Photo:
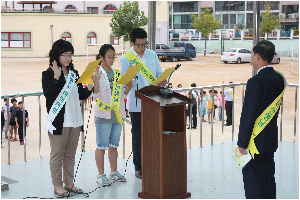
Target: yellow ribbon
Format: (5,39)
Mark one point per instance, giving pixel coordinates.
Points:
(116,98)
(144,70)
(231,92)
(263,120)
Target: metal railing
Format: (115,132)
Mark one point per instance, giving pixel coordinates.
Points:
(212,87)
(190,89)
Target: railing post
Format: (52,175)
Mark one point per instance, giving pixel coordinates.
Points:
(233,113)
(40,127)
(124,140)
(24,128)
(281,121)
(295,124)
(223,109)
(8,133)
(190,106)
(201,101)
(212,116)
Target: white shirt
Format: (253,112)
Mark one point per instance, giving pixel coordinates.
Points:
(73,114)
(228,96)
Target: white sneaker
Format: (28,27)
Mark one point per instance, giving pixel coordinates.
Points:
(116,176)
(103,180)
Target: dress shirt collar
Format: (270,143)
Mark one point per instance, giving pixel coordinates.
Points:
(137,55)
(263,68)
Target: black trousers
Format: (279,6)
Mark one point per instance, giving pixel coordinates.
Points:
(20,133)
(259,177)
(228,107)
(194,114)
(136,139)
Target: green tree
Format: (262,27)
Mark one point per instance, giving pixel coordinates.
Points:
(127,18)
(269,21)
(206,23)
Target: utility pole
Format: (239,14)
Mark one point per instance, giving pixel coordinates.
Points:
(256,23)
(151,24)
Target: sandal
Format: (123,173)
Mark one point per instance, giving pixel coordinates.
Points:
(74,189)
(63,193)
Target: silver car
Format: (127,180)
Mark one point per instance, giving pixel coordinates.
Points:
(237,55)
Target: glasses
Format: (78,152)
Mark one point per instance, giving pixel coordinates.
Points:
(141,45)
(111,58)
(66,56)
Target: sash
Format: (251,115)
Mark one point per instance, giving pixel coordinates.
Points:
(133,60)
(60,101)
(263,120)
(116,98)
(231,92)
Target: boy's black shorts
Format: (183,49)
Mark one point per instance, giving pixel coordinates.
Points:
(12,123)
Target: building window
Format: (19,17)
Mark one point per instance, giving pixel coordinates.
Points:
(290,9)
(230,5)
(93,10)
(91,38)
(70,8)
(241,18)
(114,40)
(185,6)
(66,36)
(109,9)
(274,5)
(15,40)
(183,22)
(203,9)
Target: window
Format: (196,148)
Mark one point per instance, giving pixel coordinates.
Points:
(185,6)
(15,40)
(70,8)
(183,21)
(91,38)
(290,9)
(241,18)
(232,18)
(203,9)
(163,46)
(109,9)
(225,19)
(230,5)
(66,36)
(114,40)
(157,46)
(92,10)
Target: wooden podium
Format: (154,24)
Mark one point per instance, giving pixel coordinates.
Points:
(164,163)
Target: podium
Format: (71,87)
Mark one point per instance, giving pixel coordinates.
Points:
(164,162)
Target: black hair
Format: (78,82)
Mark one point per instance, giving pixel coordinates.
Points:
(13,100)
(4,100)
(20,102)
(204,92)
(215,91)
(210,91)
(179,85)
(137,33)
(103,49)
(193,85)
(59,47)
(265,49)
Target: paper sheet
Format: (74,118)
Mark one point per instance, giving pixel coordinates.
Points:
(241,160)
(163,76)
(85,77)
(130,74)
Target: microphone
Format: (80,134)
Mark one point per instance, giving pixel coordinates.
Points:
(167,92)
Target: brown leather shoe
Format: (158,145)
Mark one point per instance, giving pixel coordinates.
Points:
(62,192)
(138,174)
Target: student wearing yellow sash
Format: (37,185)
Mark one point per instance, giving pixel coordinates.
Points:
(108,120)
(228,106)
(139,54)
(262,89)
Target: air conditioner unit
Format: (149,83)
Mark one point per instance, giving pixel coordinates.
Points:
(291,16)
(281,15)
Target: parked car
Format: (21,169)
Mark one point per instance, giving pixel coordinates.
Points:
(237,55)
(181,50)
(276,59)
(160,47)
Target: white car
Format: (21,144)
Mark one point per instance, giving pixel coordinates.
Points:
(237,55)
(276,59)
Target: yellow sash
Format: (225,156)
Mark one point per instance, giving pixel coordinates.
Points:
(116,98)
(231,92)
(144,70)
(263,120)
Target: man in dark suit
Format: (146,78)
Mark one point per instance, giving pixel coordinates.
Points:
(262,89)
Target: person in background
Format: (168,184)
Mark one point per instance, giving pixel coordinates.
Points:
(6,119)
(19,122)
(193,107)
(12,113)
(220,99)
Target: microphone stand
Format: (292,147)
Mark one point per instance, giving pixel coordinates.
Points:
(167,92)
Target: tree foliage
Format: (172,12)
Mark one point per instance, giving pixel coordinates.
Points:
(269,21)
(206,23)
(126,19)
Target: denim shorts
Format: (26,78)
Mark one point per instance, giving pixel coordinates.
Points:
(108,135)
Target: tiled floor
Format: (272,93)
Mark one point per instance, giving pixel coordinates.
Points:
(212,174)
